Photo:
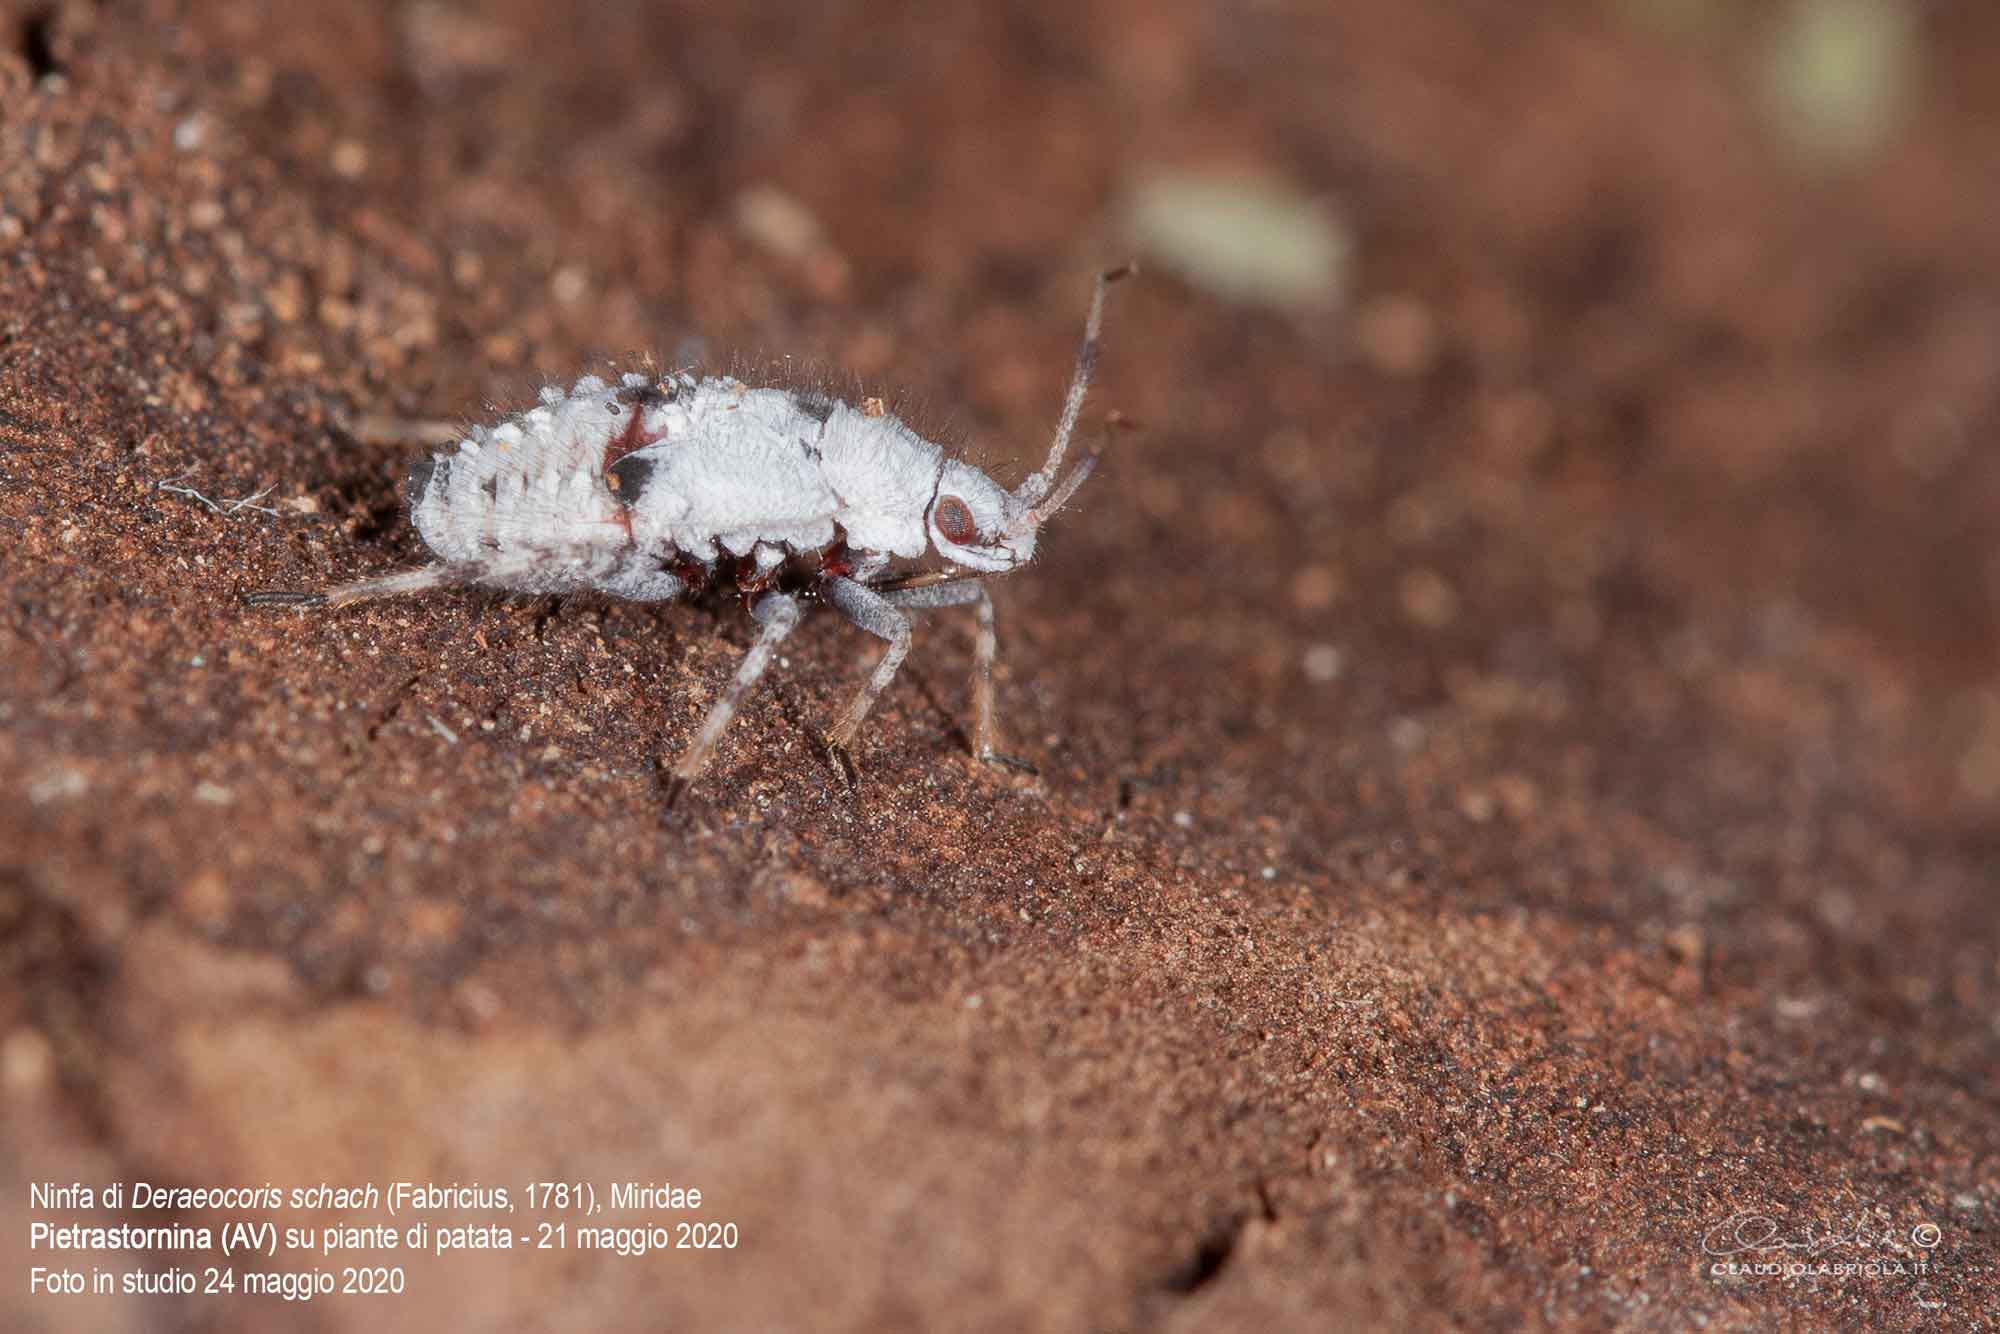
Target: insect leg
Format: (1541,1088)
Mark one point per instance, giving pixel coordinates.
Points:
(445,574)
(985,647)
(540,571)
(778,613)
(878,616)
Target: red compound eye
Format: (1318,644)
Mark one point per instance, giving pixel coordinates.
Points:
(954,521)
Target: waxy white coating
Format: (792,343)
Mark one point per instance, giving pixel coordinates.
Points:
(728,470)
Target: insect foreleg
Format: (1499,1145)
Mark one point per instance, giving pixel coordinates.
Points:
(985,646)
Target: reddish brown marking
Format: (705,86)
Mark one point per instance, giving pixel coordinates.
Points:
(797,573)
(634,436)
(750,581)
(954,521)
(690,572)
(836,562)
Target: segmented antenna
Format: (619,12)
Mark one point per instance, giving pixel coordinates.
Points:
(1038,483)
(1056,499)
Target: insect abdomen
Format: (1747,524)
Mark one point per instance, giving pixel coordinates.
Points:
(532,485)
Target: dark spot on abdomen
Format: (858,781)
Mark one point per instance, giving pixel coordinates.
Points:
(627,477)
(643,396)
(422,473)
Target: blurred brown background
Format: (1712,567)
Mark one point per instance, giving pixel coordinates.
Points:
(1518,730)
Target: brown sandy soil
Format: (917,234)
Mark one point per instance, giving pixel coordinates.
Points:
(1518,755)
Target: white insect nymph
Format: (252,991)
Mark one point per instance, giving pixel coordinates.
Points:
(660,489)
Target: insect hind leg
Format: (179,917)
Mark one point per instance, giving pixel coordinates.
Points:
(445,574)
(778,613)
(552,570)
